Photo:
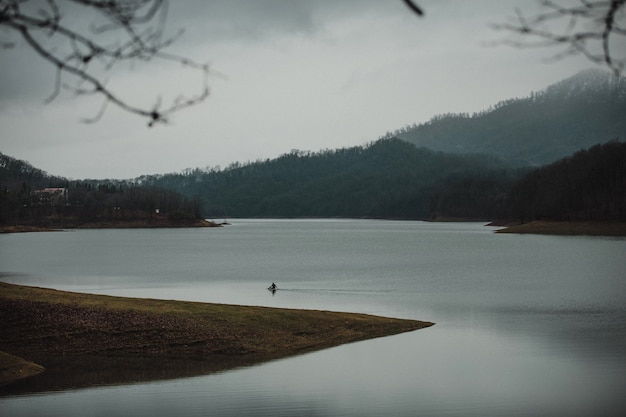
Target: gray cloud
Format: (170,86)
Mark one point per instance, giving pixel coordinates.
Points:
(306,74)
(257,20)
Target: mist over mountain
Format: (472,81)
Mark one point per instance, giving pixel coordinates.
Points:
(453,167)
(576,113)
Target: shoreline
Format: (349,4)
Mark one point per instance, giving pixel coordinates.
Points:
(107,224)
(541,227)
(14,368)
(85,339)
(565,228)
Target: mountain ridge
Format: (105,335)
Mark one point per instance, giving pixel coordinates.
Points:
(386,178)
(573,114)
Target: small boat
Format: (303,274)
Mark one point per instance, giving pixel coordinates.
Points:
(272,288)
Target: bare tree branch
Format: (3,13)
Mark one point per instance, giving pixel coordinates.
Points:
(414,7)
(594,29)
(132,30)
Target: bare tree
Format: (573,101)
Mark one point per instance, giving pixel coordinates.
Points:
(414,7)
(594,29)
(125,31)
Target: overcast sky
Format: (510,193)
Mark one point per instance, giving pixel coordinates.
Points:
(287,74)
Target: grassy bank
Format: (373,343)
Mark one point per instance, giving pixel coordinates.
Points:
(56,328)
(568,228)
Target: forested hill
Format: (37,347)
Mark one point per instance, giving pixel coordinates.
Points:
(574,114)
(388,178)
(16,173)
(589,185)
(391,178)
(29,196)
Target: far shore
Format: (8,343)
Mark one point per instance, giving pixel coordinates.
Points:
(541,227)
(27,229)
(569,228)
(154,223)
(84,339)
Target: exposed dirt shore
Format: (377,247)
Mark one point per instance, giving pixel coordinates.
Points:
(95,334)
(26,229)
(58,225)
(13,368)
(568,228)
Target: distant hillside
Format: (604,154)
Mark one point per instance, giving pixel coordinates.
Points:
(31,197)
(389,178)
(574,114)
(589,185)
(454,166)
(15,172)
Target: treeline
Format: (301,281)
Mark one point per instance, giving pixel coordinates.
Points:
(388,178)
(589,185)
(29,196)
(393,179)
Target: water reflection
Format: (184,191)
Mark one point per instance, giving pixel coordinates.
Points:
(399,376)
(69,373)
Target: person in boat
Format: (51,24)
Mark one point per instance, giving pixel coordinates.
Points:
(273,286)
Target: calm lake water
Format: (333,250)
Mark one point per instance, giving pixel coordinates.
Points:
(525,325)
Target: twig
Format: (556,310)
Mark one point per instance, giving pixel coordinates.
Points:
(589,29)
(124,15)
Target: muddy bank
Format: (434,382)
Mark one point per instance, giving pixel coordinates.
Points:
(568,228)
(13,368)
(148,223)
(118,340)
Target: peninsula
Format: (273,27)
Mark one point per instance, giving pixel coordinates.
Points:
(85,339)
